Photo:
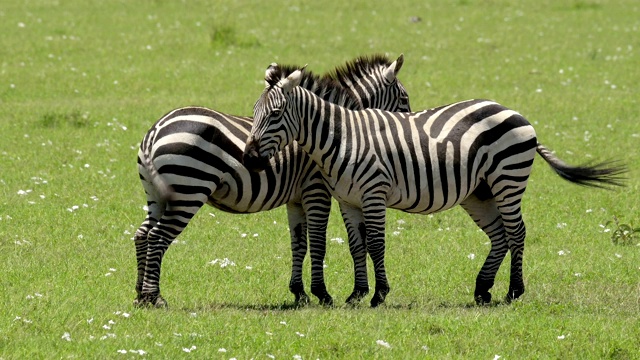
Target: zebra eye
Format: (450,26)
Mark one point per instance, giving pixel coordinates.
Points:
(276,113)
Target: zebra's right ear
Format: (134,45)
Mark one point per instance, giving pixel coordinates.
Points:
(392,70)
(292,80)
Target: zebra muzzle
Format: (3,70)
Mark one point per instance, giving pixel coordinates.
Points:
(251,157)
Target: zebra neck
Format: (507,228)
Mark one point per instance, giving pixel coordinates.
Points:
(321,134)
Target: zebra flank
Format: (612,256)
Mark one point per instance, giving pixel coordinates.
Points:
(475,153)
(598,175)
(193,156)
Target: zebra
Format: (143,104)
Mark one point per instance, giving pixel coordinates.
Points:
(193,156)
(476,153)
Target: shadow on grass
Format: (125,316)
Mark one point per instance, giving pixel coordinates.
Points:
(286,306)
(364,305)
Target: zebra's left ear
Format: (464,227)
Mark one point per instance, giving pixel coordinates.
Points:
(391,71)
(292,80)
(269,73)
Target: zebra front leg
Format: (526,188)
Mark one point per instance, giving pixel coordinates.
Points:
(375,219)
(356,233)
(318,220)
(298,231)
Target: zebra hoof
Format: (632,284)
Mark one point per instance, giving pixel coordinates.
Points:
(357,295)
(376,300)
(302,299)
(483,299)
(150,301)
(322,294)
(513,294)
(326,301)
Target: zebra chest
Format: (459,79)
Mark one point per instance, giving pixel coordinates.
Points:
(354,187)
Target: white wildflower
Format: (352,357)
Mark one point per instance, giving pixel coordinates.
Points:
(383,344)
(193,347)
(66,336)
(337,240)
(222,262)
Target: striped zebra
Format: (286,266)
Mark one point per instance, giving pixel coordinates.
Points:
(475,153)
(193,156)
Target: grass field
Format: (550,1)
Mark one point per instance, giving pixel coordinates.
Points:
(82,81)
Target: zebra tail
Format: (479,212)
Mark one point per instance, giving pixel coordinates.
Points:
(165,191)
(597,175)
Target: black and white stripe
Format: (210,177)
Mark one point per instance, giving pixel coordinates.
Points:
(475,153)
(193,156)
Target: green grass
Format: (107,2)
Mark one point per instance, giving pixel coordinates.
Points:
(81,82)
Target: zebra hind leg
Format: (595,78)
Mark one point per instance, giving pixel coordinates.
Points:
(155,211)
(517,234)
(171,224)
(484,212)
(509,206)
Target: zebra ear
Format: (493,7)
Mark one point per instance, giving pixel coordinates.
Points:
(292,80)
(392,70)
(268,74)
(399,63)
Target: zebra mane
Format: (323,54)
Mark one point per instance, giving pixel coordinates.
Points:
(358,68)
(324,87)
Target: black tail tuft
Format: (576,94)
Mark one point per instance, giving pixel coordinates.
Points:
(597,175)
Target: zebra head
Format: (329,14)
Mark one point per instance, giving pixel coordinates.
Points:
(374,81)
(273,128)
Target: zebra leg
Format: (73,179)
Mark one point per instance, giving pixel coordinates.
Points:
(356,233)
(374,212)
(508,203)
(174,220)
(298,230)
(317,221)
(486,215)
(517,233)
(154,212)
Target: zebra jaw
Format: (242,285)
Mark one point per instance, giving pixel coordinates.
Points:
(252,159)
